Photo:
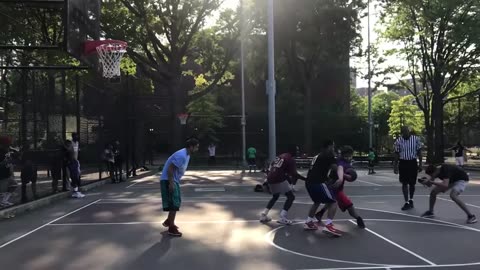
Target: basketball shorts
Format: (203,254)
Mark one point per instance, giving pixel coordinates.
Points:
(343,201)
(171,201)
(408,171)
(320,193)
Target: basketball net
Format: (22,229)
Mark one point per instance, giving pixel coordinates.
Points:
(110,56)
(183,118)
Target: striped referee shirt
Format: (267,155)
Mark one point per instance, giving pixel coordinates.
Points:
(407,149)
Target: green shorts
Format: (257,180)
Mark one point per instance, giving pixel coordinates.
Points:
(170,201)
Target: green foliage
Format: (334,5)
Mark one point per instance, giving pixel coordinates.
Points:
(206,117)
(405,113)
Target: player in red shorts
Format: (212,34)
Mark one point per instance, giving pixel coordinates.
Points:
(343,201)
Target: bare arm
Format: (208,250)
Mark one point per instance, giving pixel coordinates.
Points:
(171,170)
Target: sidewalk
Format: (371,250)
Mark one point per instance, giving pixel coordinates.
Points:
(44,184)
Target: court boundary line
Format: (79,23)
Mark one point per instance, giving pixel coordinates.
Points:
(448,200)
(396,245)
(296,222)
(363,181)
(46,224)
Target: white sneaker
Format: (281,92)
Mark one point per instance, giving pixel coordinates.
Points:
(6,203)
(77,195)
(285,221)
(264,218)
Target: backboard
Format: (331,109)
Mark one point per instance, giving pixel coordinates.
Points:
(83,23)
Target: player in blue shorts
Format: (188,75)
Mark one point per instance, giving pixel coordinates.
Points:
(320,187)
(343,201)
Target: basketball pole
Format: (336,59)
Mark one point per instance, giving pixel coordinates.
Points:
(272,143)
(370,120)
(242,64)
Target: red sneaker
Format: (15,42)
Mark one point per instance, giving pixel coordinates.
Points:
(173,231)
(330,229)
(310,226)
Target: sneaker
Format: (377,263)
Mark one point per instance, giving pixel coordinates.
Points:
(284,221)
(428,214)
(310,226)
(406,206)
(410,202)
(173,231)
(265,218)
(330,229)
(472,219)
(7,203)
(360,223)
(77,195)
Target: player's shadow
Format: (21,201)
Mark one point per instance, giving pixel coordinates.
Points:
(154,254)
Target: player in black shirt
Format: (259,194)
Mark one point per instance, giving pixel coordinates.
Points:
(453,178)
(319,186)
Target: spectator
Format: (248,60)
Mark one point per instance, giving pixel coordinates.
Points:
(109,159)
(252,158)
(118,162)
(211,153)
(28,175)
(73,167)
(7,182)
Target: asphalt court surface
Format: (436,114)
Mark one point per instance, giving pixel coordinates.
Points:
(119,227)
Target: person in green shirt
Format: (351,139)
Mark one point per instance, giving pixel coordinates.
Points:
(371,161)
(252,158)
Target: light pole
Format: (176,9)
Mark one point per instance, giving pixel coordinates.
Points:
(272,143)
(242,55)
(370,120)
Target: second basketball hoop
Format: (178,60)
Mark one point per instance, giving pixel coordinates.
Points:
(183,117)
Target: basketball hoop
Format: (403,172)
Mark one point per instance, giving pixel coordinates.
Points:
(183,117)
(110,53)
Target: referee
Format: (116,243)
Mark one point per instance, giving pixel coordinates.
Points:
(407,148)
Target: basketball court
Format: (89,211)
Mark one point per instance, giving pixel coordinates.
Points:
(119,227)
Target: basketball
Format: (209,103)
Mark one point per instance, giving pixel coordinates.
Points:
(352,175)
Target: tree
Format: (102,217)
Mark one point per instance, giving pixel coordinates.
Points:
(335,24)
(405,113)
(381,110)
(162,35)
(440,43)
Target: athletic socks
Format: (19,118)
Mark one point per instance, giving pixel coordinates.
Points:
(309,219)
(265,212)
(329,221)
(283,214)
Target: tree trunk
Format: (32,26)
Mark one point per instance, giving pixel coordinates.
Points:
(178,106)
(307,124)
(437,115)
(429,130)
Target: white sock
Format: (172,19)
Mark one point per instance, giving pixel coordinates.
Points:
(329,221)
(75,189)
(283,214)
(265,212)
(309,219)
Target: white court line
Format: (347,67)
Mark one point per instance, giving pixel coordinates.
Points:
(46,224)
(295,222)
(448,200)
(366,182)
(350,268)
(418,217)
(397,245)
